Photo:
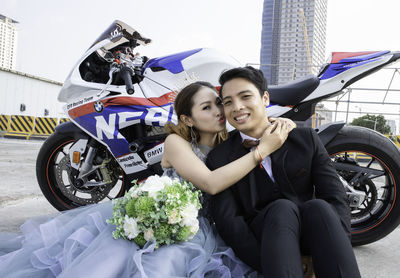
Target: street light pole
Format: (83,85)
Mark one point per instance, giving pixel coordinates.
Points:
(368,120)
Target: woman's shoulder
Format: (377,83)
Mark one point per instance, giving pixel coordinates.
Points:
(174,143)
(175,139)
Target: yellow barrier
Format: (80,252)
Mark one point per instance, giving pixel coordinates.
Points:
(63,120)
(4,122)
(396,139)
(44,126)
(20,126)
(28,126)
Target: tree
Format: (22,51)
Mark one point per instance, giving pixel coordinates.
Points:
(376,122)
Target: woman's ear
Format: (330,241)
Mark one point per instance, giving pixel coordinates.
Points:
(186,120)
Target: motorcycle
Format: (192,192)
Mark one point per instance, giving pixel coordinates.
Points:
(118,103)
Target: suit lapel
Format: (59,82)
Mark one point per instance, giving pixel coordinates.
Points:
(278,161)
(246,188)
(237,148)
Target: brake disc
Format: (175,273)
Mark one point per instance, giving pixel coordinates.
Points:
(97,193)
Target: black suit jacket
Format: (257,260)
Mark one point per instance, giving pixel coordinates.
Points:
(301,168)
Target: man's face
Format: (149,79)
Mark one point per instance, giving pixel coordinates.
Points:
(244,107)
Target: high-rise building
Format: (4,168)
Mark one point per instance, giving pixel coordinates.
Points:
(285,26)
(8,42)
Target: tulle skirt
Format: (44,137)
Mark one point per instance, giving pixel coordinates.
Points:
(79,243)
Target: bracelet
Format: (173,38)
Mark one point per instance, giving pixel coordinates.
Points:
(261,159)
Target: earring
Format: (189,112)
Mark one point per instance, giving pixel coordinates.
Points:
(193,136)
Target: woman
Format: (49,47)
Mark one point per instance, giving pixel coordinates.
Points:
(79,243)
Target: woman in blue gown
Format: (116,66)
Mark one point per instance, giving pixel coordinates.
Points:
(79,242)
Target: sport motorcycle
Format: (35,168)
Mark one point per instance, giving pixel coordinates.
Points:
(118,102)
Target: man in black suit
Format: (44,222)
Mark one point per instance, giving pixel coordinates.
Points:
(294,204)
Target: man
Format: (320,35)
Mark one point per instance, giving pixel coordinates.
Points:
(294,204)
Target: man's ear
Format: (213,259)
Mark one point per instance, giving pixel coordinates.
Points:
(186,120)
(266,98)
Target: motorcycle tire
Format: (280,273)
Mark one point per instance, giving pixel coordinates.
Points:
(50,175)
(367,151)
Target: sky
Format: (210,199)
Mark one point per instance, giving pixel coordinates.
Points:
(53,34)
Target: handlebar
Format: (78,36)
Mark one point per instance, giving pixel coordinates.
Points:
(126,74)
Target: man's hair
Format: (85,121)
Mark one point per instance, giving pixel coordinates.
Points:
(255,76)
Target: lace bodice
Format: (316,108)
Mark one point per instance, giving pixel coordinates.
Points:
(201,151)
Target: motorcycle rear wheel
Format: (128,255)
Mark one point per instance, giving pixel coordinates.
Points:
(373,166)
(55,176)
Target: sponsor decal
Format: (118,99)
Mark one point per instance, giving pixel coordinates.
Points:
(155,116)
(116,32)
(182,83)
(131,163)
(98,106)
(154,154)
(79,102)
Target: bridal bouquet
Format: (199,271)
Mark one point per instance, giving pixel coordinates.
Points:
(160,209)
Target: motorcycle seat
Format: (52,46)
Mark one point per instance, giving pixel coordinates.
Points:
(293,92)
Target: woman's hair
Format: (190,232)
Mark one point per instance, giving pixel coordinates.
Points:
(183,106)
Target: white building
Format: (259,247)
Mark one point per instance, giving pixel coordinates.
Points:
(8,42)
(283,54)
(392,125)
(25,94)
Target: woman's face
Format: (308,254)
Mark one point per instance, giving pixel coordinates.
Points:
(207,111)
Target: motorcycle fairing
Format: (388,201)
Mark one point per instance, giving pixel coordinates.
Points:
(354,56)
(118,113)
(343,61)
(172,63)
(330,86)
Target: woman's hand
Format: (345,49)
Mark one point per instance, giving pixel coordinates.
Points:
(274,136)
(284,120)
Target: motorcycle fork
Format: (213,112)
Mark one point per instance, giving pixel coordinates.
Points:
(87,163)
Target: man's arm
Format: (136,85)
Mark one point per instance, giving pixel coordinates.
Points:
(327,183)
(232,227)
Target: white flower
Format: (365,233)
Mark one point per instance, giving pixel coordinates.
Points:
(166,180)
(195,228)
(130,227)
(149,234)
(189,215)
(153,185)
(174,217)
(134,193)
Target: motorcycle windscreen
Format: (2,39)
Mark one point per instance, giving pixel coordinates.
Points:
(119,33)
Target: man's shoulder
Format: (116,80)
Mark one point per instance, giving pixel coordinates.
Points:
(226,146)
(303,136)
(301,131)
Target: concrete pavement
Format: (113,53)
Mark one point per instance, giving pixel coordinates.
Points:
(21,199)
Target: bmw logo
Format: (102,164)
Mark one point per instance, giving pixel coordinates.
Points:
(98,106)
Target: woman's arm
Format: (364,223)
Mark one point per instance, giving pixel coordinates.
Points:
(179,154)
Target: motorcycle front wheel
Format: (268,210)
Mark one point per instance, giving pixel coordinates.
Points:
(57,179)
(369,163)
